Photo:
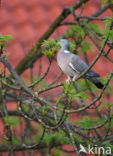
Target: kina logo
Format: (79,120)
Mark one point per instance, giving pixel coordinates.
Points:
(95,150)
(82,149)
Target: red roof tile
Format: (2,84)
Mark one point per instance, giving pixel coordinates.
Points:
(12,4)
(37,15)
(67,3)
(5,17)
(26,33)
(19,15)
(16,53)
(29,4)
(8,29)
(54,10)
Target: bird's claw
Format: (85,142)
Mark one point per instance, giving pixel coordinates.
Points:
(74,78)
(68,80)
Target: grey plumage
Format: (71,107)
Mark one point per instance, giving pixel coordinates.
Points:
(72,65)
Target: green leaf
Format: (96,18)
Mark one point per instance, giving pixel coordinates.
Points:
(58,152)
(66,88)
(15,141)
(8,37)
(25,107)
(94,27)
(108,21)
(79,31)
(108,33)
(61,96)
(11,121)
(70,33)
(48,53)
(78,139)
(76,30)
(5,38)
(108,105)
(90,122)
(61,136)
(86,46)
(109,86)
(72,46)
(104,2)
(43,110)
(49,43)
(43,83)
(82,94)
(51,47)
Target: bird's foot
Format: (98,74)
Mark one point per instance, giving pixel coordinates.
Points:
(68,80)
(74,78)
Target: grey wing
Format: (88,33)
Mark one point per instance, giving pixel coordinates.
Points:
(79,66)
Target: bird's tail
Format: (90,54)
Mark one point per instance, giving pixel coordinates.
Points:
(97,83)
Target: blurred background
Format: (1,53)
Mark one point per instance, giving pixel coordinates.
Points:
(27,21)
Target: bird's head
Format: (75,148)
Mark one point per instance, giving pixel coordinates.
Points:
(64,43)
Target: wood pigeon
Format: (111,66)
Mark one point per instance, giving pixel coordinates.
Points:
(72,65)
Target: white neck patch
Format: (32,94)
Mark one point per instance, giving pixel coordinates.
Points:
(66,51)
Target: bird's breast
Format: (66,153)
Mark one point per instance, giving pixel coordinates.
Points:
(63,62)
